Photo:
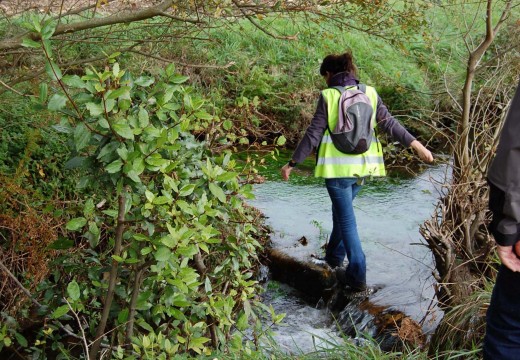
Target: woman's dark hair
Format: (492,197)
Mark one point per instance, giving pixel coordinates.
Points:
(338,63)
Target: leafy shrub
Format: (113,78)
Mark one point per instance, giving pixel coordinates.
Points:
(164,249)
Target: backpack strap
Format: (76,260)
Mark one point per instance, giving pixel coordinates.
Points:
(341,89)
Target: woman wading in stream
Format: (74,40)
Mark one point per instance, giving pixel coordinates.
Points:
(344,173)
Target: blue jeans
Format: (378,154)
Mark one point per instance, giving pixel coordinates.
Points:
(344,239)
(502,340)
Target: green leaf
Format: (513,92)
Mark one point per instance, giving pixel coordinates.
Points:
(162,254)
(281,140)
(187,189)
(73,290)
(122,91)
(109,105)
(59,312)
(149,195)
(122,317)
(217,192)
(198,342)
(115,69)
(146,250)
(114,166)
(161,200)
(21,339)
(170,69)
(122,152)
(179,79)
(169,241)
(133,175)
(227,125)
(108,150)
(188,103)
(7,341)
(242,322)
(74,81)
(156,160)
(112,213)
(62,244)
(57,102)
(48,29)
(227,176)
(144,81)
(89,207)
(145,326)
(37,26)
(76,224)
(124,131)
(138,165)
(53,71)
(103,123)
(44,89)
(95,109)
(143,118)
(203,115)
(30,43)
(47,47)
(82,136)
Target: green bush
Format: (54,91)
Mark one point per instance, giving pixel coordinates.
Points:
(164,251)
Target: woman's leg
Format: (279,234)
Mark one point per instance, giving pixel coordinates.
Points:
(344,236)
(335,252)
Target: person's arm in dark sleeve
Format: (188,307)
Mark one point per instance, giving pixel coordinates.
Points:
(388,124)
(505,227)
(505,223)
(313,134)
(310,140)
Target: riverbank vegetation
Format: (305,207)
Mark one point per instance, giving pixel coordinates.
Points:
(128,144)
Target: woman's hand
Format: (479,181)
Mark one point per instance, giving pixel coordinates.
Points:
(423,153)
(286,171)
(508,257)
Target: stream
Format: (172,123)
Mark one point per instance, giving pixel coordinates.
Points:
(389,212)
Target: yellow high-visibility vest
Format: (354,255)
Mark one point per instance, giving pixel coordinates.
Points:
(331,162)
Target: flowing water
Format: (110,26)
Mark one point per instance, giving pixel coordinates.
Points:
(389,213)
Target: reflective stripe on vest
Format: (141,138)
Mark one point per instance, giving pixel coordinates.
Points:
(331,162)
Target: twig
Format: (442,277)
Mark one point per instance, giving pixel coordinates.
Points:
(20,285)
(80,328)
(260,27)
(12,89)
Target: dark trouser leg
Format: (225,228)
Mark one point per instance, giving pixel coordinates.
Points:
(502,340)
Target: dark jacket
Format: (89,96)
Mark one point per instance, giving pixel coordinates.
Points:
(385,121)
(504,178)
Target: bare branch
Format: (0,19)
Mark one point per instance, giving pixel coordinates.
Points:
(118,18)
(193,21)
(12,89)
(19,284)
(83,337)
(260,27)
